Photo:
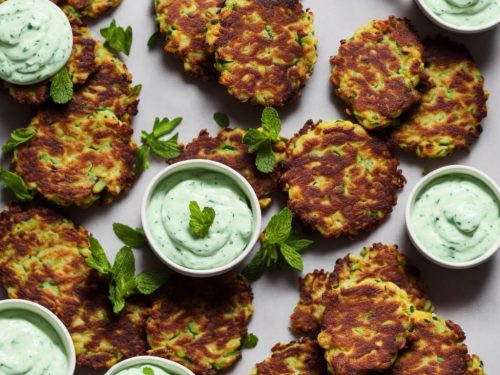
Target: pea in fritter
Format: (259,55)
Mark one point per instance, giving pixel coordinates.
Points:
(436,347)
(339,179)
(184,23)
(308,314)
(384,262)
(83,152)
(80,65)
(303,357)
(265,50)
(453,103)
(42,259)
(376,72)
(228,148)
(364,327)
(200,322)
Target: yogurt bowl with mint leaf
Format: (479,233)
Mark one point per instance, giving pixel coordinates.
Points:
(201,218)
(148,365)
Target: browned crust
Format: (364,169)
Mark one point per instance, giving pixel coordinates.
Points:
(219,306)
(305,354)
(363,201)
(228,148)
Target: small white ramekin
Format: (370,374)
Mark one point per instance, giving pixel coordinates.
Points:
(167,365)
(452,27)
(206,165)
(422,184)
(50,318)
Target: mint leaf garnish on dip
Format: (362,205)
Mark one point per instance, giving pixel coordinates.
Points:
(279,247)
(200,221)
(25,25)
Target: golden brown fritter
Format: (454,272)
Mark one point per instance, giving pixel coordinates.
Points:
(453,103)
(265,50)
(308,314)
(376,71)
(475,366)
(88,8)
(384,262)
(80,65)
(228,148)
(436,348)
(303,357)
(200,322)
(184,23)
(42,259)
(339,179)
(83,152)
(365,325)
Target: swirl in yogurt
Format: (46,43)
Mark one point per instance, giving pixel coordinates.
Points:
(466,12)
(35,41)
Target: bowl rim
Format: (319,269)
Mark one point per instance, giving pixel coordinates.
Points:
(167,364)
(50,318)
(452,27)
(424,182)
(208,165)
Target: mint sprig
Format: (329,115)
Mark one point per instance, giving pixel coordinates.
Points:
(200,221)
(279,247)
(18,137)
(61,87)
(129,236)
(152,143)
(261,140)
(121,275)
(16,184)
(117,38)
(249,341)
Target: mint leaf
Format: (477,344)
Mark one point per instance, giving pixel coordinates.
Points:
(200,221)
(255,139)
(169,149)
(117,38)
(129,236)
(249,341)
(279,227)
(148,282)
(298,244)
(98,261)
(291,256)
(124,266)
(257,265)
(153,39)
(165,126)
(148,371)
(18,137)
(266,160)
(16,184)
(142,159)
(221,119)
(271,123)
(117,298)
(61,87)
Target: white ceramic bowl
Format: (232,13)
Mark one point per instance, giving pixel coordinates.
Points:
(52,319)
(167,365)
(422,184)
(452,27)
(206,165)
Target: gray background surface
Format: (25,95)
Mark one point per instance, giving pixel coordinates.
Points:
(470,298)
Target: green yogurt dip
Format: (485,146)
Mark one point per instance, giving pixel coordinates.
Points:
(35,40)
(456,218)
(468,13)
(168,219)
(30,346)
(143,370)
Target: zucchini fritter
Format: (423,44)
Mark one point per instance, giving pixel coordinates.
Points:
(42,259)
(88,8)
(83,152)
(200,322)
(303,357)
(80,65)
(265,50)
(339,179)
(364,326)
(184,23)
(376,71)
(228,148)
(475,366)
(453,104)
